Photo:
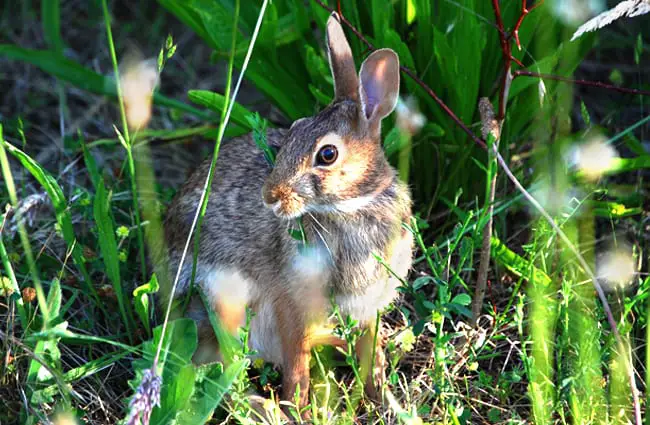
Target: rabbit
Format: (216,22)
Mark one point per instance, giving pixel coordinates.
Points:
(331,172)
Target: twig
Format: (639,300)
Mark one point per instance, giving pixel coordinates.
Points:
(491,133)
(524,73)
(524,11)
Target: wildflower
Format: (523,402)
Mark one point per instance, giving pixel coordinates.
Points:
(5,287)
(574,12)
(122,256)
(406,340)
(146,397)
(64,418)
(258,363)
(29,294)
(122,232)
(138,80)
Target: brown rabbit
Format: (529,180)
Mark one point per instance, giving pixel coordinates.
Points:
(331,171)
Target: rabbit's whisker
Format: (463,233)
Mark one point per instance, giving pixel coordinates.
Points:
(318,222)
(321,236)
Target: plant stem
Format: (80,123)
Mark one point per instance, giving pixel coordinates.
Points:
(22,313)
(491,133)
(222,128)
(215,156)
(127,139)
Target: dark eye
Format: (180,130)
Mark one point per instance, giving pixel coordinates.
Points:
(327,155)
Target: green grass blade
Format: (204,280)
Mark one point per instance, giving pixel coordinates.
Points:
(84,78)
(89,160)
(108,246)
(82,372)
(63,216)
(11,276)
(51,16)
(216,102)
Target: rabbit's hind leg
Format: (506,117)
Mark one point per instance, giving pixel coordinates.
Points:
(373,369)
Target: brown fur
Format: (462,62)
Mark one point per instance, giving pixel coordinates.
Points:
(351,210)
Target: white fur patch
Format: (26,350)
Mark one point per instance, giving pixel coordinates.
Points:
(354,204)
(227,285)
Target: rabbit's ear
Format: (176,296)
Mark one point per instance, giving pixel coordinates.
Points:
(344,72)
(379,87)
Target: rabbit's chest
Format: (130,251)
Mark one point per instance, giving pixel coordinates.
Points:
(362,284)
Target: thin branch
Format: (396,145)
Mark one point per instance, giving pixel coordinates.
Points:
(524,11)
(491,132)
(524,73)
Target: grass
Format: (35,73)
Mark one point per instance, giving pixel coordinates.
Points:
(80,327)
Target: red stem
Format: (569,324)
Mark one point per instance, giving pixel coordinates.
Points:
(524,73)
(504,41)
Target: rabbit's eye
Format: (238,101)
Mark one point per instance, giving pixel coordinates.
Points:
(327,155)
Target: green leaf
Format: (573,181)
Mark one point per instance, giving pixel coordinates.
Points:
(141,300)
(89,159)
(212,384)
(259,135)
(47,350)
(461,299)
(638,49)
(517,264)
(108,247)
(216,102)
(51,16)
(585,114)
(84,78)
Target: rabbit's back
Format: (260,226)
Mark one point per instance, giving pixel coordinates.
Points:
(238,232)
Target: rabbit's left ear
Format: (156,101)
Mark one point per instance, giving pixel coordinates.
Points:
(344,72)
(379,88)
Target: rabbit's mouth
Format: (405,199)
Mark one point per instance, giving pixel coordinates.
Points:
(286,210)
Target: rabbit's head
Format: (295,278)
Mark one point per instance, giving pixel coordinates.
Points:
(333,161)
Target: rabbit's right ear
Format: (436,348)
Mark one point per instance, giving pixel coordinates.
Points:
(346,82)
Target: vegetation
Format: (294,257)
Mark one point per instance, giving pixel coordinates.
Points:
(94,140)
